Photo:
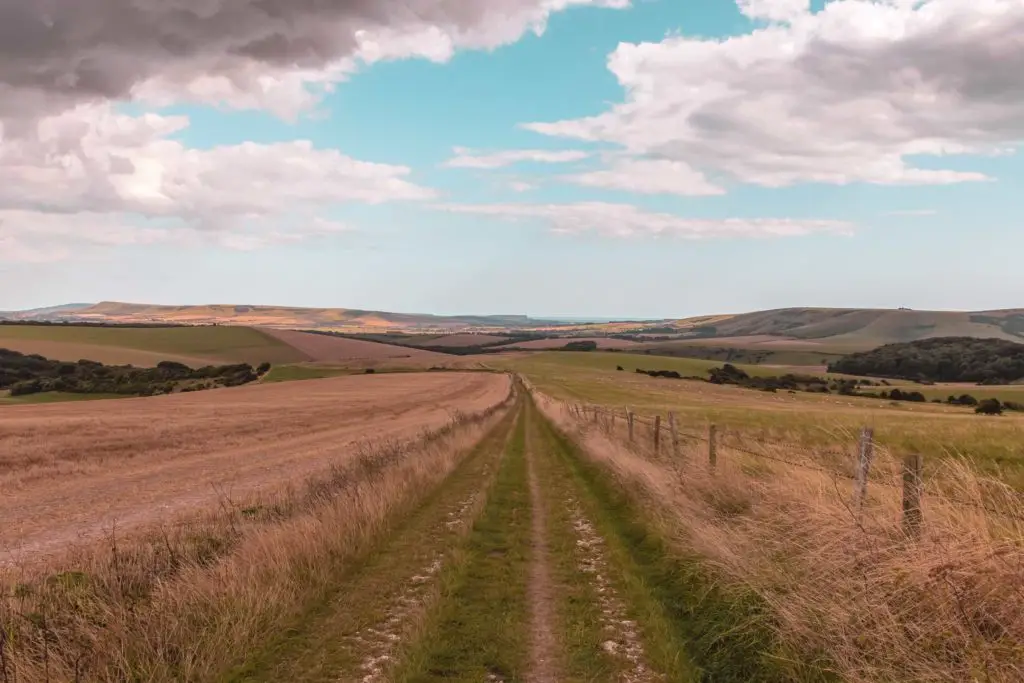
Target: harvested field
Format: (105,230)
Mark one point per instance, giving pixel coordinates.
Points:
(108,355)
(324,348)
(459,340)
(69,471)
(602,343)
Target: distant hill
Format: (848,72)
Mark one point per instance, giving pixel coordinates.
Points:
(47,313)
(850,329)
(810,330)
(285,317)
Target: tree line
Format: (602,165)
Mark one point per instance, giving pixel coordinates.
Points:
(23,374)
(942,359)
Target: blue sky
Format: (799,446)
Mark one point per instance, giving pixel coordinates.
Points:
(701,157)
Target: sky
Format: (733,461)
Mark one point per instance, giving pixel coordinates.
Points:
(612,158)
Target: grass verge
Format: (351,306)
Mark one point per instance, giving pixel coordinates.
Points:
(481,633)
(681,605)
(54,397)
(780,579)
(293,373)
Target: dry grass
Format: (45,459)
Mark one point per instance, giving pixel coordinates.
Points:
(187,601)
(878,604)
(996,444)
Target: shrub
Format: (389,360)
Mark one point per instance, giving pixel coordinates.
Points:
(26,388)
(580,346)
(263,368)
(989,406)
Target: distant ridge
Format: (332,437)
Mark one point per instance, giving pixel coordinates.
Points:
(842,329)
(45,313)
(274,317)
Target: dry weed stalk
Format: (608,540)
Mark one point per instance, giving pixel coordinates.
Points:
(188,600)
(880,605)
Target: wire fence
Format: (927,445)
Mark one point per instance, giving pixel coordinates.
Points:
(908,479)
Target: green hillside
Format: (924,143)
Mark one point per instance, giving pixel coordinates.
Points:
(146,346)
(871,327)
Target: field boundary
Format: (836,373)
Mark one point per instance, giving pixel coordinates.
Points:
(908,479)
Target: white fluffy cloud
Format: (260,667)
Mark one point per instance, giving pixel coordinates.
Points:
(774,10)
(100,177)
(852,93)
(626,221)
(468,158)
(38,237)
(650,176)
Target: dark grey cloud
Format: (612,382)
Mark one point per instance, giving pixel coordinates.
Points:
(55,52)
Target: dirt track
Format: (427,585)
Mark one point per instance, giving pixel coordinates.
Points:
(68,471)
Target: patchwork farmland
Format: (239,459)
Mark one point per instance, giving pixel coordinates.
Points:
(518,516)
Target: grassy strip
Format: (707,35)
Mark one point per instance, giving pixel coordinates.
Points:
(320,645)
(293,373)
(54,397)
(682,606)
(481,632)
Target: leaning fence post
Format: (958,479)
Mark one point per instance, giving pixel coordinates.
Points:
(673,428)
(866,454)
(597,414)
(912,485)
(657,434)
(712,446)
(629,421)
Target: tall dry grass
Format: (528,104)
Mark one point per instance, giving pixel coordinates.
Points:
(188,601)
(879,604)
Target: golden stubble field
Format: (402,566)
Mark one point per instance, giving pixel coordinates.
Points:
(72,472)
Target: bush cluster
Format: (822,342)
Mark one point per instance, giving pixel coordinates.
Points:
(32,374)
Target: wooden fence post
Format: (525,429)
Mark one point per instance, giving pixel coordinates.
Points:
(673,428)
(629,422)
(597,413)
(657,434)
(712,446)
(866,454)
(912,485)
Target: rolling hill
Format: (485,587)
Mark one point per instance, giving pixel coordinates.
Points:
(286,317)
(851,329)
(812,330)
(147,346)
